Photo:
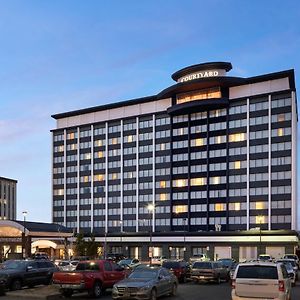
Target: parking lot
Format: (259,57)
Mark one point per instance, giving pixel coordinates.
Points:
(188,290)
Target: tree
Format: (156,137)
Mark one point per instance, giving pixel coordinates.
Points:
(80,247)
(91,247)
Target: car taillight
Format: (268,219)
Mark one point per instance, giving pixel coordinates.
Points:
(233,284)
(281,285)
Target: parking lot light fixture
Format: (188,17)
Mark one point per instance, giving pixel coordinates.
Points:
(24,213)
(260,220)
(151,209)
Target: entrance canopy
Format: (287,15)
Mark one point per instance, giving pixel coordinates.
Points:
(10,228)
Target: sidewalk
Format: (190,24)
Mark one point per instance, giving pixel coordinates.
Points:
(40,292)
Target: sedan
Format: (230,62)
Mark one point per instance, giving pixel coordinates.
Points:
(146,283)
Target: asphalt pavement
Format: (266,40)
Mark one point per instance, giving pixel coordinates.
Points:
(187,291)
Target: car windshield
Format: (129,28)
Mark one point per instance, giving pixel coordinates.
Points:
(202,265)
(291,256)
(143,274)
(225,262)
(259,272)
(13,264)
(125,262)
(171,264)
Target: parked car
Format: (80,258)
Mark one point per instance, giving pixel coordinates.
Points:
(265,257)
(227,262)
(261,280)
(198,257)
(290,269)
(208,271)
(128,262)
(40,255)
(294,257)
(93,276)
(18,273)
(292,262)
(158,260)
(232,270)
(179,268)
(67,265)
(115,257)
(146,283)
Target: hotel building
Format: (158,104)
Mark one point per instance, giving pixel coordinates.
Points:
(205,162)
(8,196)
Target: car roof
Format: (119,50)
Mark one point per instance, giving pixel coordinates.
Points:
(258,263)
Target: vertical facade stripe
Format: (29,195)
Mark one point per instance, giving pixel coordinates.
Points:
(52,181)
(92,178)
(294,162)
(248,163)
(122,182)
(153,172)
(106,177)
(269,165)
(78,179)
(65,177)
(137,175)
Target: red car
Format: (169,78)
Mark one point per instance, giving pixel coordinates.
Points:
(93,276)
(179,268)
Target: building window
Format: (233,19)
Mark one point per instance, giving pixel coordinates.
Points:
(260,219)
(237,164)
(178,209)
(199,95)
(198,142)
(198,181)
(99,177)
(180,183)
(237,137)
(219,206)
(99,154)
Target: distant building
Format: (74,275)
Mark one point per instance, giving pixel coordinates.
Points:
(8,198)
(210,153)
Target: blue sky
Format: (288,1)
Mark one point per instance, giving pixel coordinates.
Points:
(57,56)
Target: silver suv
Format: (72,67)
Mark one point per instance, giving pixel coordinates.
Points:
(261,280)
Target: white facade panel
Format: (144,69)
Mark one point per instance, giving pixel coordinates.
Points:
(259,88)
(115,113)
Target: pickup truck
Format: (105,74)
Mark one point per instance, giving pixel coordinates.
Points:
(93,276)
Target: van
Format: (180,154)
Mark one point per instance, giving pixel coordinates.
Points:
(261,280)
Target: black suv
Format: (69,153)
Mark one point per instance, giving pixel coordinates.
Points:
(18,273)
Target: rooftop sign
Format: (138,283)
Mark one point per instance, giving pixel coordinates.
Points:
(202,74)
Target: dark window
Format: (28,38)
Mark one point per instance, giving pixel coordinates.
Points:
(171,264)
(87,267)
(202,265)
(107,266)
(284,271)
(260,272)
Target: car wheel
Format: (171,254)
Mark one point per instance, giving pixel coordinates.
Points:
(174,290)
(184,279)
(218,280)
(67,293)
(153,294)
(96,291)
(16,285)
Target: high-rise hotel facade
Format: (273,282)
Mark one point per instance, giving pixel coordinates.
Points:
(209,157)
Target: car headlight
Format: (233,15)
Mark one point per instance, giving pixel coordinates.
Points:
(114,288)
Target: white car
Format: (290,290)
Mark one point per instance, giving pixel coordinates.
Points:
(157,260)
(261,280)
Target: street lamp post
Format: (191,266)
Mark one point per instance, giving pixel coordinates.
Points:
(105,244)
(184,236)
(24,235)
(260,219)
(151,208)
(121,235)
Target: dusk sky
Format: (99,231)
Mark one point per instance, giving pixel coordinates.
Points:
(57,56)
